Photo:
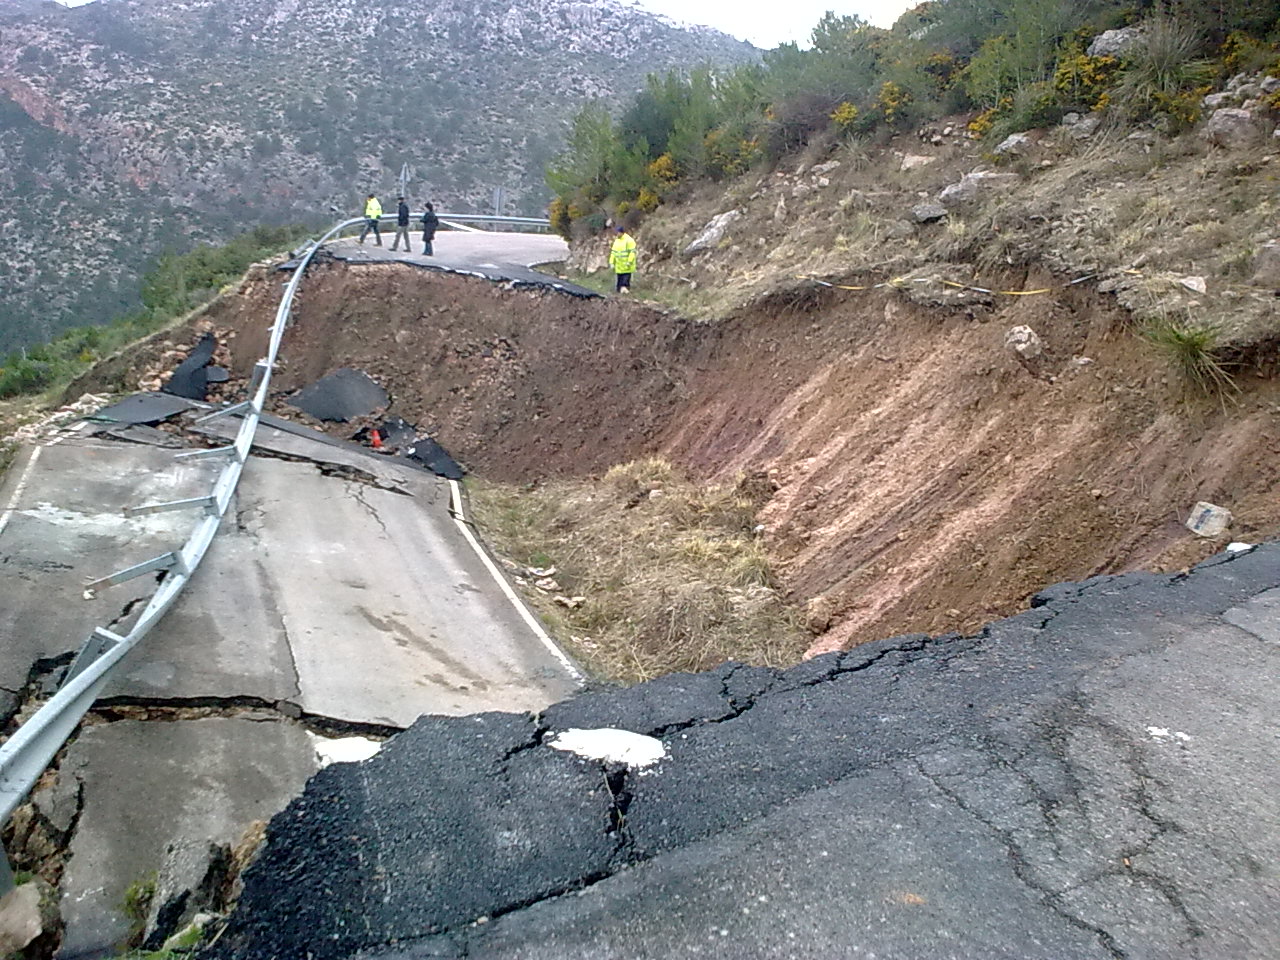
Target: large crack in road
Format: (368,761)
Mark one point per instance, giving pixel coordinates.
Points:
(1031,791)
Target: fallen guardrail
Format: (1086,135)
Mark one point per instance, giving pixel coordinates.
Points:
(27,754)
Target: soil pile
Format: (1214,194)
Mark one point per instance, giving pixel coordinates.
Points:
(914,476)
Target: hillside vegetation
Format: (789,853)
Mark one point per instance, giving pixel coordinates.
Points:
(1010,64)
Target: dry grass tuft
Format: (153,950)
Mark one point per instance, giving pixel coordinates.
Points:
(672,574)
(1192,349)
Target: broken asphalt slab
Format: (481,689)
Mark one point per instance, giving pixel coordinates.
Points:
(343,395)
(143,408)
(1091,778)
(133,788)
(191,377)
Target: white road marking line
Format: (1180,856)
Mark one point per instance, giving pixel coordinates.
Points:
(455,496)
(20,488)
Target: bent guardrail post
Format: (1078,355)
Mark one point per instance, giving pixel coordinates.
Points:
(26,754)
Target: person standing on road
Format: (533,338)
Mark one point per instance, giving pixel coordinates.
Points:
(372,211)
(402,226)
(622,257)
(429,224)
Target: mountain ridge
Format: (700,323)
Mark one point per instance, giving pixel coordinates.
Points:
(135,125)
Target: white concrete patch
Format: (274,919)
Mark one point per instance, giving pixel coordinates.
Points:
(104,524)
(609,744)
(344,749)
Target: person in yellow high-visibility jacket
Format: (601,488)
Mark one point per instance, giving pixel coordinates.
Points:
(622,257)
(372,211)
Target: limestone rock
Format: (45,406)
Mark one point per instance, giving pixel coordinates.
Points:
(1112,43)
(780,210)
(914,161)
(1266,265)
(928,212)
(899,230)
(975,186)
(1028,349)
(824,168)
(1270,84)
(1015,145)
(20,920)
(713,232)
(801,190)
(1216,101)
(1081,127)
(1232,128)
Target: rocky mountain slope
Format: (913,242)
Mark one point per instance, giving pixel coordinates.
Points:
(130,126)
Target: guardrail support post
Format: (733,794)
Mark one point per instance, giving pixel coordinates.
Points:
(206,454)
(236,408)
(207,503)
(163,562)
(99,642)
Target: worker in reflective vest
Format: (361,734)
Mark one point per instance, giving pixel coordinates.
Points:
(622,257)
(372,211)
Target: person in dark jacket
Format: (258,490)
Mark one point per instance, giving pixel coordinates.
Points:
(402,226)
(429,224)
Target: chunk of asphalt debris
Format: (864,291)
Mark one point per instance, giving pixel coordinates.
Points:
(340,396)
(143,408)
(191,379)
(216,374)
(393,434)
(435,458)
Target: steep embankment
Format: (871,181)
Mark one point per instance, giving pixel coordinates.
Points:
(920,479)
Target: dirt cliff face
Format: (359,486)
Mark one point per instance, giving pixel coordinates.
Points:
(917,477)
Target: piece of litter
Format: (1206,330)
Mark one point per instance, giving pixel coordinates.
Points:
(547,584)
(1164,733)
(1238,547)
(612,745)
(541,572)
(1208,520)
(573,603)
(1194,283)
(344,749)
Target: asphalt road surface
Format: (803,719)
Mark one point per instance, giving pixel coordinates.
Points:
(1094,778)
(501,257)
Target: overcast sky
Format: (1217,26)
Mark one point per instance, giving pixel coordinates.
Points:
(767,23)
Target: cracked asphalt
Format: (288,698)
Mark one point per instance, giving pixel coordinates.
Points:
(1093,778)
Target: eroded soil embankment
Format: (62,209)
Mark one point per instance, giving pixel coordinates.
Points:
(924,480)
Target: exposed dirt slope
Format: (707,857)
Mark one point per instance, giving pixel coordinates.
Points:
(924,480)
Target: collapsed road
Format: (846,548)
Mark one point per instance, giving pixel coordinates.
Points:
(1093,778)
(342,598)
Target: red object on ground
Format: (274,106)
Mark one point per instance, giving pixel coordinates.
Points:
(375,438)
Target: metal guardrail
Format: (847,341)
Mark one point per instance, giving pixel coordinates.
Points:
(456,220)
(26,754)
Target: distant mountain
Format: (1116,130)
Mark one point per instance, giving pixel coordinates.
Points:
(129,126)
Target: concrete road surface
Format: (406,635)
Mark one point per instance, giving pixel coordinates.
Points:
(339,591)
(1094,778)
(356,603)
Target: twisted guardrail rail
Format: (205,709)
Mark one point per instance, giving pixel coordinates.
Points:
(27,754)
